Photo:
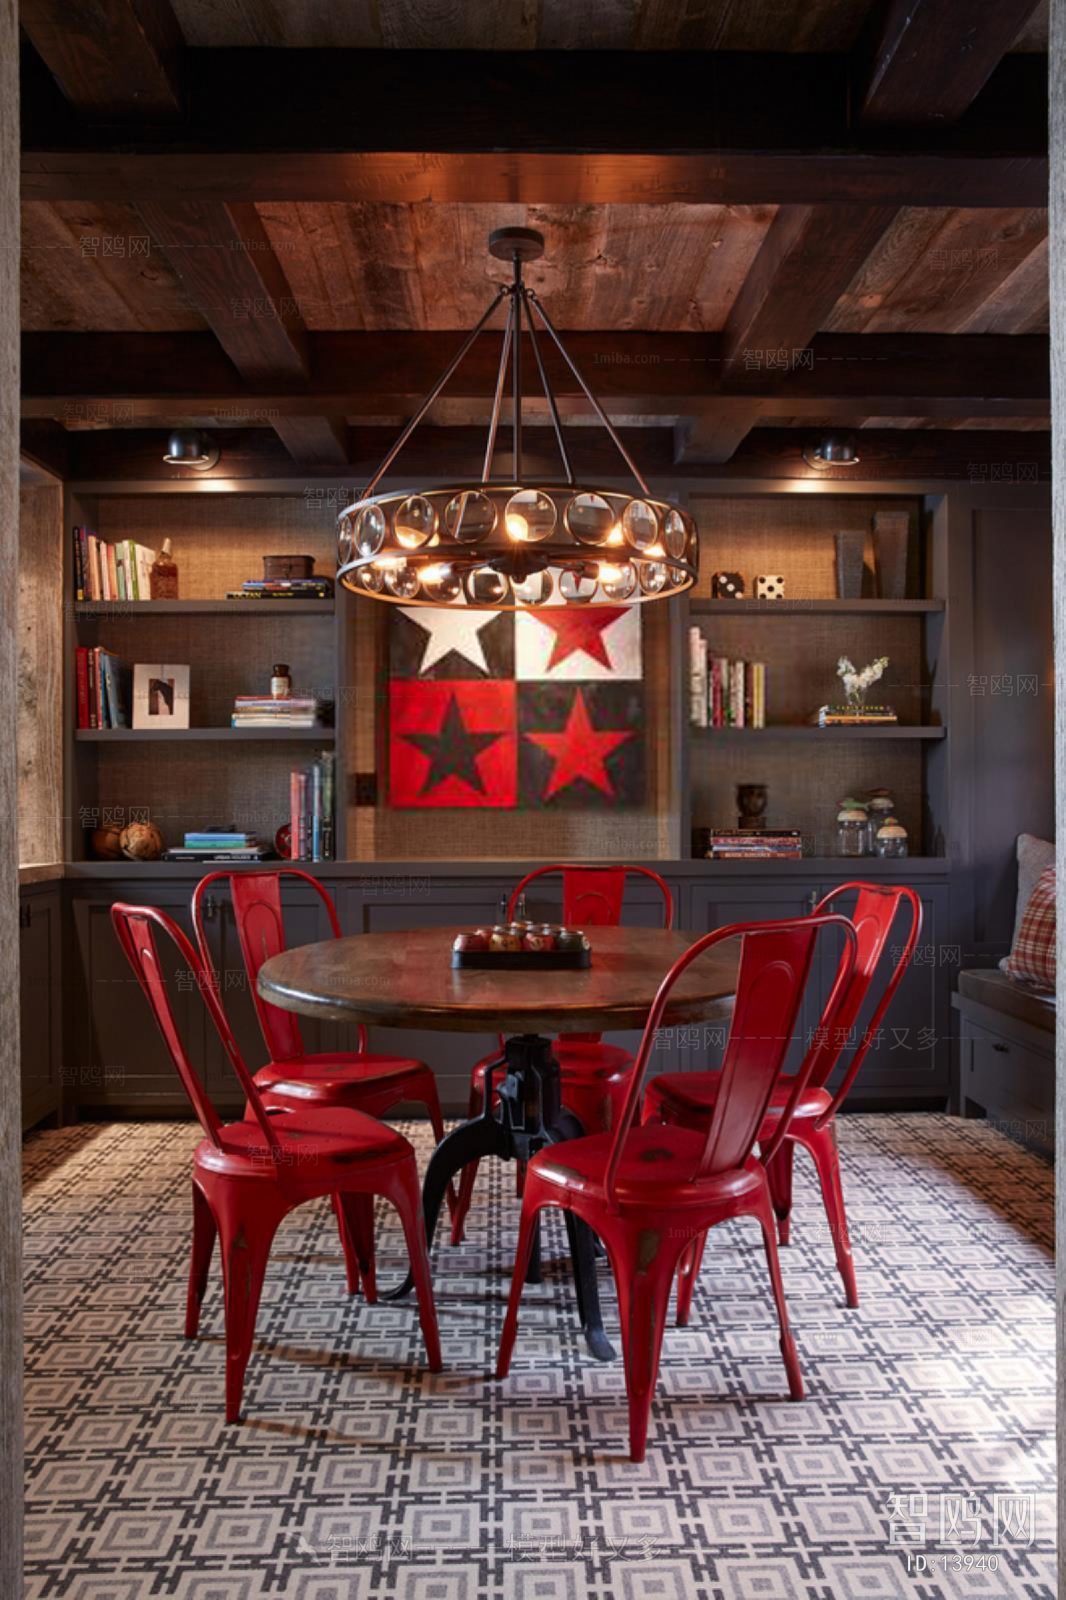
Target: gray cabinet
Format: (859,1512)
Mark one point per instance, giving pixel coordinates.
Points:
(40,1002)
(116,1058)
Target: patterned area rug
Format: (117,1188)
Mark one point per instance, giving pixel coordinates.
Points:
(920,1465)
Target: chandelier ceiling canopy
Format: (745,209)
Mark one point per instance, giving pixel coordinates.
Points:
(505,544)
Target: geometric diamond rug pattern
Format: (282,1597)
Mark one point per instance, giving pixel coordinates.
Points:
(920,1465)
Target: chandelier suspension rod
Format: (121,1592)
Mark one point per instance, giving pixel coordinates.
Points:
(497,399)
(431,396)
(589,396)
(549,393)
(517,291)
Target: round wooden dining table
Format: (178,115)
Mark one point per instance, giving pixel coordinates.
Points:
(405,979)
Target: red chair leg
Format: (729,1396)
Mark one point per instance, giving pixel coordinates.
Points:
(644,1288)
(357,1230)
(687,1273)
(823,1147)
(351,1256)
(404,1192)
(527,1233)
(789,1352)
(779,1173)
(204,1232)
(248,1216)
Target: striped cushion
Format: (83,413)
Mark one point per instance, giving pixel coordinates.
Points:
(1033,956)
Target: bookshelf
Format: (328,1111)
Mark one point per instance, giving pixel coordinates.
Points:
(210,773)
(800,639)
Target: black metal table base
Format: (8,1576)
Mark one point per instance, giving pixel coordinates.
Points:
(523,1112)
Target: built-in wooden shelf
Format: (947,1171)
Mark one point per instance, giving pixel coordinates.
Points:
(91,609)
(893,731)
(238,735)
(816,608)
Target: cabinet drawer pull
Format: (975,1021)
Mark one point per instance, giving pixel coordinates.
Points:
(1002,1048)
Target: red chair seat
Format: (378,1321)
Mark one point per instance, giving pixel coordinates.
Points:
(316,1149)
(693,1093)
(326,1076)
(657,1167)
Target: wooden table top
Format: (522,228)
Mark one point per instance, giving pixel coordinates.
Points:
(404,979)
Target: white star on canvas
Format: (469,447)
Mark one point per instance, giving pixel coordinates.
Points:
(451,630)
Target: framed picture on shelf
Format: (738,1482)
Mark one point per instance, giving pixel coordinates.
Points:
(160,696)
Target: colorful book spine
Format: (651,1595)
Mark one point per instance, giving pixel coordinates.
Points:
(697,669)
(81,680)
(79,572)
(736,693)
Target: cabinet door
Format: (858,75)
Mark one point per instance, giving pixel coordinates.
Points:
(908,1063)
(39,1005)
(117,1055)
(388,905)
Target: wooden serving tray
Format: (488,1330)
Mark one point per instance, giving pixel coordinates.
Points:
(523,960)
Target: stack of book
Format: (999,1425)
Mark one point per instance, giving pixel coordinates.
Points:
(855,716)
(218,844)
(283,589)
(755,844)
(724,693)
(105,571)
(103,689)
(287,711)
(311,800)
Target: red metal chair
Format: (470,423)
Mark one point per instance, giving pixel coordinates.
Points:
(247,1175)
(650,1191)
(594,1074)
(292,1078)
(689,1098)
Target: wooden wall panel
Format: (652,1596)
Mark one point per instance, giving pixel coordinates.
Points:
(11,1490)
(40,668)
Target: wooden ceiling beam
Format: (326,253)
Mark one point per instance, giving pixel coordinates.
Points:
(547,127)
(118,378)
(110,58)
(454,454)
(922,63)
(223,257)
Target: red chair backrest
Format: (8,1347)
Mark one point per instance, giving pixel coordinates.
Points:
(592,898)
(873,917)
(775,963)
(260,922)
(593,895)
(135,927)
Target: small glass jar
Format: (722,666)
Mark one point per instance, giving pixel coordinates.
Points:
(892,840)
(853,832)
(280,681)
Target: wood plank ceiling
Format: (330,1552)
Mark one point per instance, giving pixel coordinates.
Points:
(273,281)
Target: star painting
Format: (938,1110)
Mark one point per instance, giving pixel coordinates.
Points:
(581,746)
(452,744)
(515,709)
(579,644)
(431,642)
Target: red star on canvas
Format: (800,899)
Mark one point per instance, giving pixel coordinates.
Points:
(580,629)
(579,750)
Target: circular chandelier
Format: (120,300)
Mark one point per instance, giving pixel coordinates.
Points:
(503,544)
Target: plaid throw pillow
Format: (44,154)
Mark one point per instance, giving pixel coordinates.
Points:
(1033,957)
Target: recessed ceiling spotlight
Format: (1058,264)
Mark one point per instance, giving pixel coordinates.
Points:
(188,447)
(833,450)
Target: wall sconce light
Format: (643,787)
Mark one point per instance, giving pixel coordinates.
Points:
(188,447)
(833,450)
